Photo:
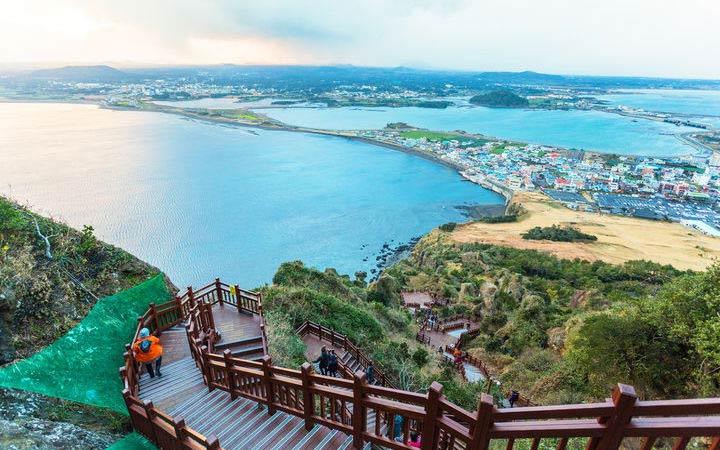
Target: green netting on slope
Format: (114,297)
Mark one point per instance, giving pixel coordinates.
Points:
(82,366)
(132,442)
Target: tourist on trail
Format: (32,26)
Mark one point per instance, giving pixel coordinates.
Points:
(147,350)
(370,372)
(332,364)
(323,360)
(514,397)
(456,352)
(441,352)
(414,440)
(397,432)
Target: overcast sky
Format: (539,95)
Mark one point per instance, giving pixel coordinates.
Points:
(673,38)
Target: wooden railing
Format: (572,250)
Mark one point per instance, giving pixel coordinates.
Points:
(337,339)
(194,309)
(344,405)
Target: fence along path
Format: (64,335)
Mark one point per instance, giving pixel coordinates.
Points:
(303,400)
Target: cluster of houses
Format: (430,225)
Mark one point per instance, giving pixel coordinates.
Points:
(690,183)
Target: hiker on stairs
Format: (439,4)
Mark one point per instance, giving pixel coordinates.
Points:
(332,364)
(323,360)
(370,372)
(147,350)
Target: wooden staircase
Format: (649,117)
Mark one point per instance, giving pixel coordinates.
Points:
(250,348)
(240,423)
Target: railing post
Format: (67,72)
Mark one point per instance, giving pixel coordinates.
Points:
(481,427)
(359,421)
(432,407)
(218,291)
(308,401)
(212,442)
(150,414)
(238,298)
(227,354)
(155,318)
(210,317)
(624,399)
(267,380)
(332,337)
(207,373)
(191,297)
(179,426)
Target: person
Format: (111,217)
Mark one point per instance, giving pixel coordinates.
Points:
(370,372)
(332,364)
(514,397)
(147,350)
(456,352)
(323,361)
(440,351)
(397,428)
(414,439)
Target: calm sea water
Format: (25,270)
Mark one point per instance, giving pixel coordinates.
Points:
(201,200)
(667,100)
(589,130)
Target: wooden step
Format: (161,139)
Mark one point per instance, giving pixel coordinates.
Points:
(221,346)
(246,352)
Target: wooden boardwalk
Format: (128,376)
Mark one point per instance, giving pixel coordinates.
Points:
(239,423)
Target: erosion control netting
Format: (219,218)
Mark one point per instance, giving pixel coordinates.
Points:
(82,366)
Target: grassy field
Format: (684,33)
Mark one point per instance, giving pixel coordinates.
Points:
(430,135)
(619,238)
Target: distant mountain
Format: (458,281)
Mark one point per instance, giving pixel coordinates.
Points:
(82,74)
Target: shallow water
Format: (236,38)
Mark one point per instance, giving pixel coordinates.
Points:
(201,200)
(589,130)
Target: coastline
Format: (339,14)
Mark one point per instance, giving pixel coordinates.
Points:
(279,126)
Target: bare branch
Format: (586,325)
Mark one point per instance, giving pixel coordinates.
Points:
(45,238)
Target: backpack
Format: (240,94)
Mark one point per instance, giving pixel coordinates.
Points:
(333,359)
(145,345)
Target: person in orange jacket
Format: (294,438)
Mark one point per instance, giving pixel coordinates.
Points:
(147,350)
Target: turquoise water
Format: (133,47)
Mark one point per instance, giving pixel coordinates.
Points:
(666,100)
(589,130)
(201,200)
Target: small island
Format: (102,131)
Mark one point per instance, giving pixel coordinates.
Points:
(500,99)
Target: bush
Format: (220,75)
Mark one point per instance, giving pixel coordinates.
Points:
(498,219)
(420,356)
(557,234)
(448,227)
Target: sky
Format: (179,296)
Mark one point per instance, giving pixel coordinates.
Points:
(667,38)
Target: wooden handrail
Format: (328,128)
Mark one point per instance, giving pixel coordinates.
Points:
(346,344)
(343,404)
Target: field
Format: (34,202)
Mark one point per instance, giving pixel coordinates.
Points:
(619,238)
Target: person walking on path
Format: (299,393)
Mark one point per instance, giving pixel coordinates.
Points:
(415,440)
(333,364)
(514,397)
(323,360)
(370,372)
(147,350)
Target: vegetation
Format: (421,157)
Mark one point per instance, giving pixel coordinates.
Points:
(369,315)
(47,288)
(557,234)
(564,330)
(448,227)
(500,99)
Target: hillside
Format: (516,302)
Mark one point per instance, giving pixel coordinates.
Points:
(44,292)
(82,74)
(500,99)
(619,239)
(563,331)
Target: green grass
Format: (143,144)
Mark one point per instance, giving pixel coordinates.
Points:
(430,135)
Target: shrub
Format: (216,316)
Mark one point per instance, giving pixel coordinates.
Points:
(557,234)
(448,227)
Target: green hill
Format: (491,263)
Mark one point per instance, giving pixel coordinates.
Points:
(500,99)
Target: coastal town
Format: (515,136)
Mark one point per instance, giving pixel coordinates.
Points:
(683,189)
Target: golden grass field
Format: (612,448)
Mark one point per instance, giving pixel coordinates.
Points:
(619,238)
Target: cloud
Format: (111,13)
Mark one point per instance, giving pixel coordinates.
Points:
(639,37)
